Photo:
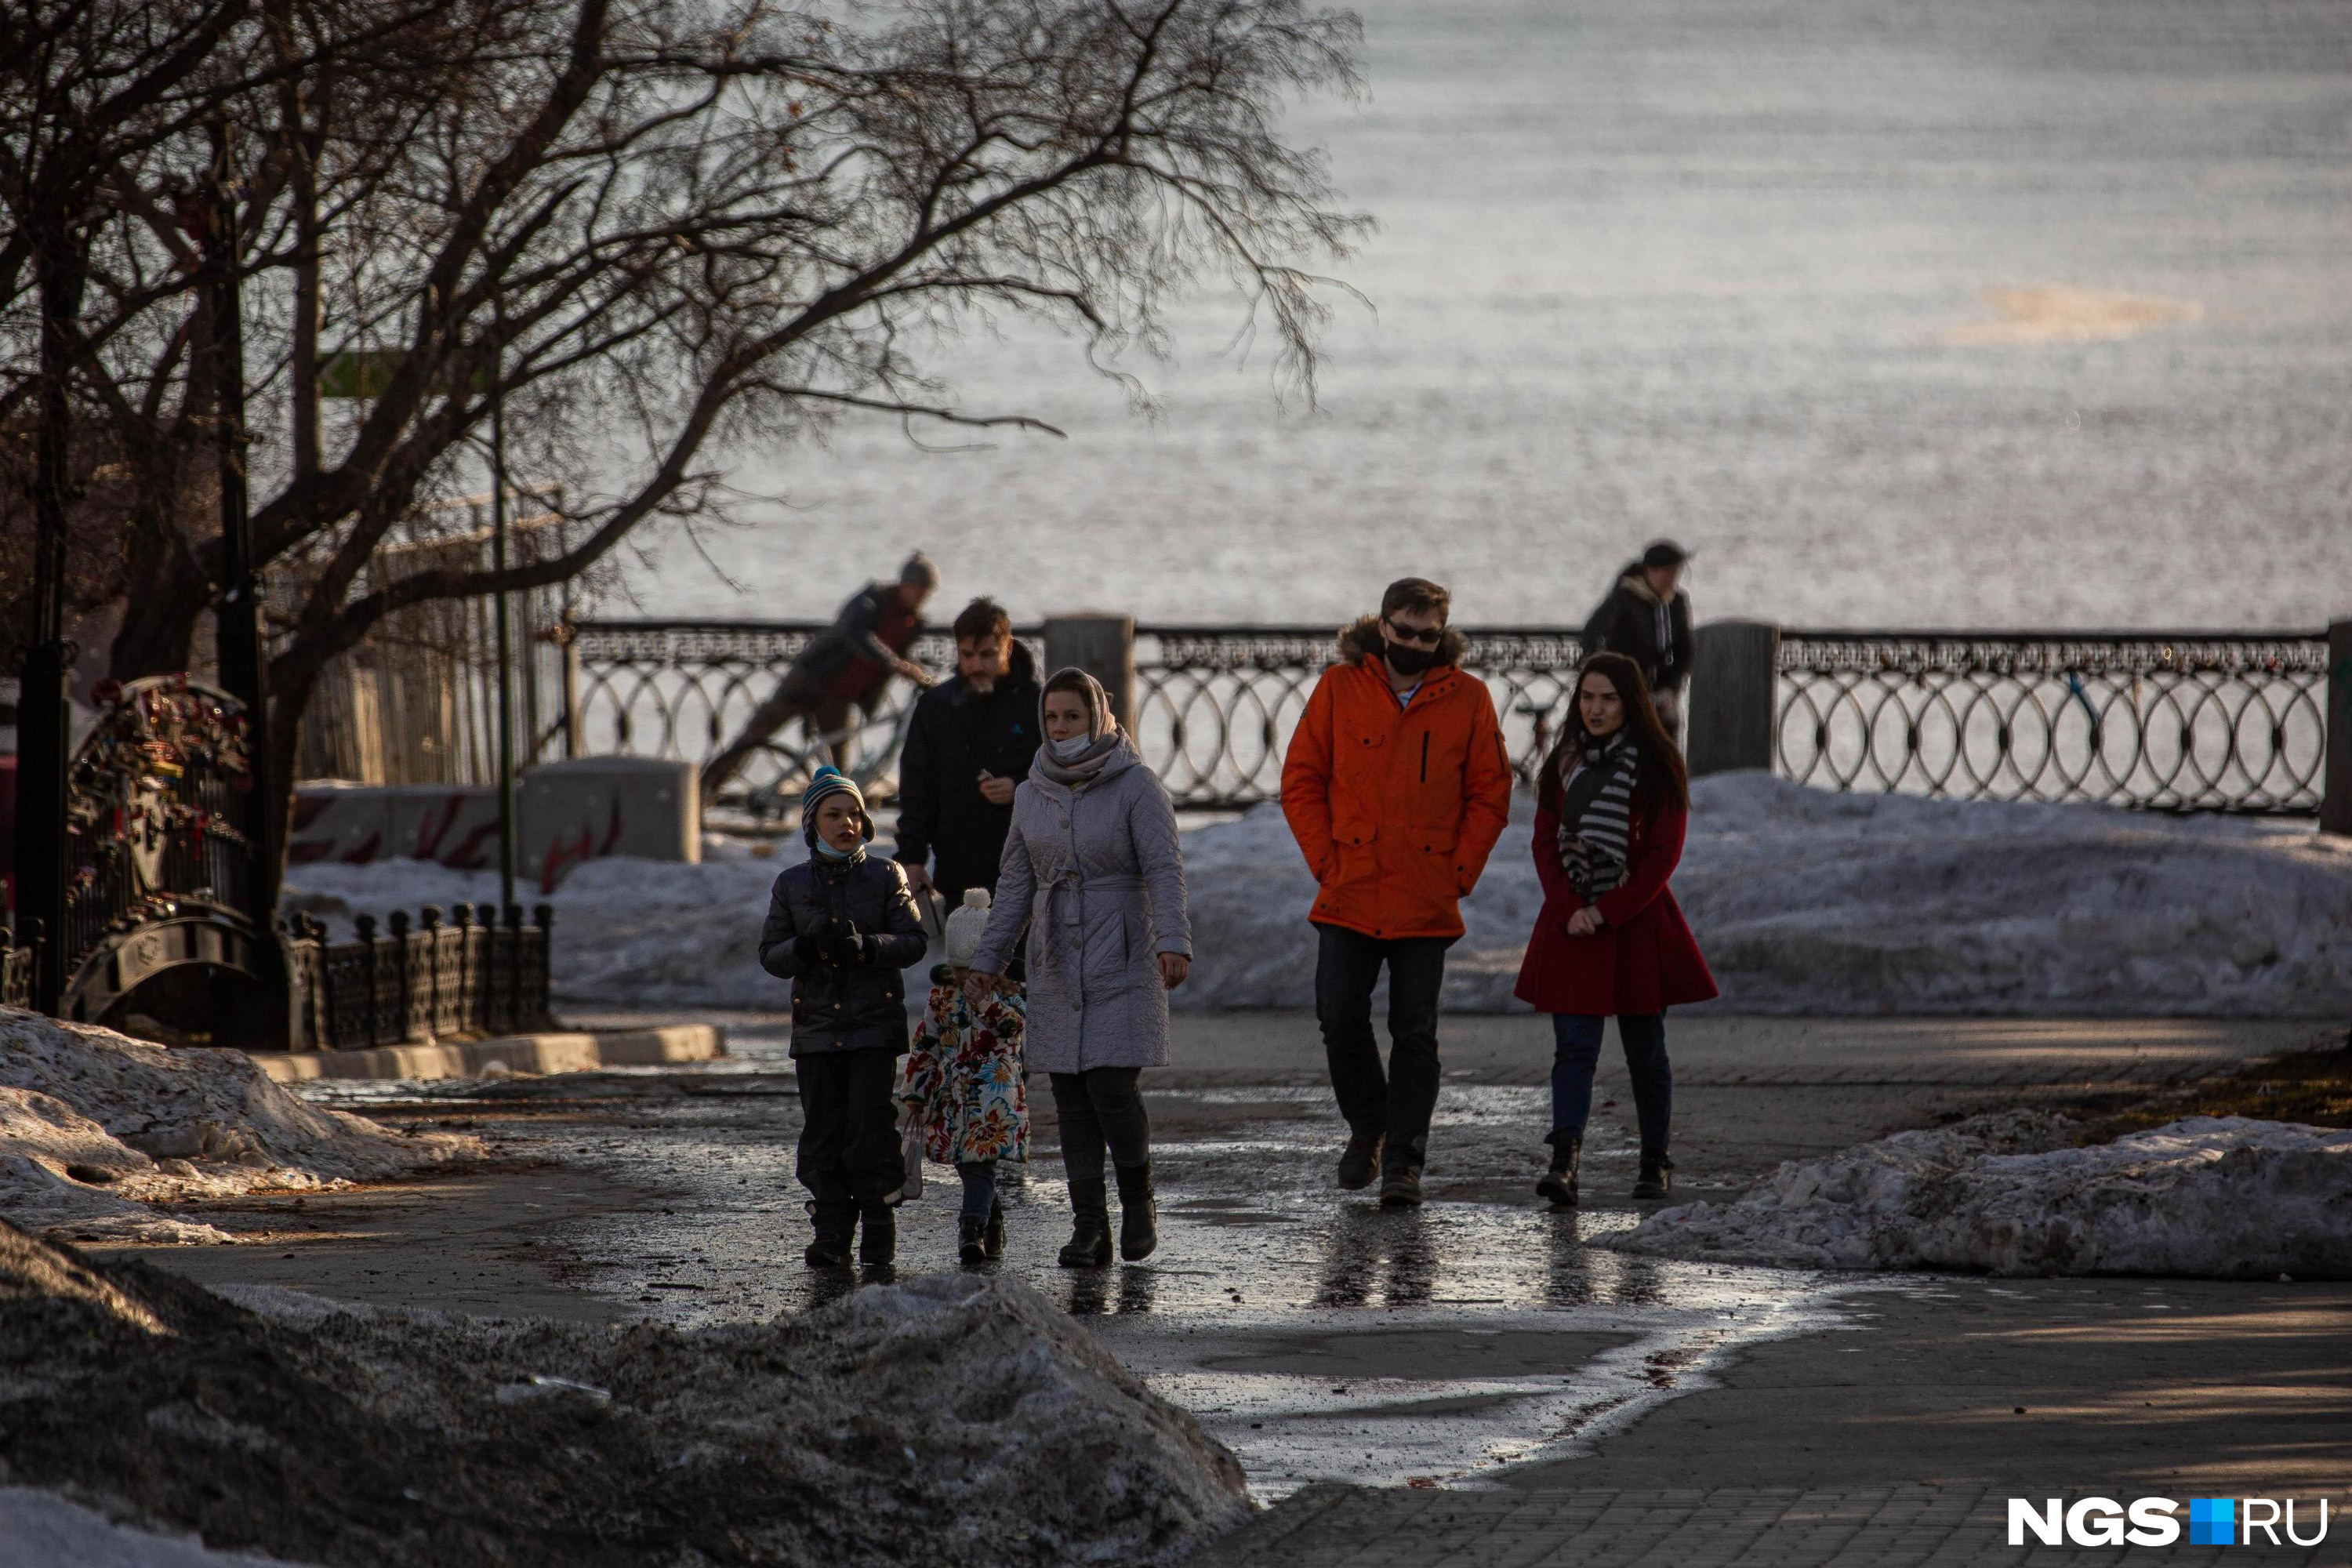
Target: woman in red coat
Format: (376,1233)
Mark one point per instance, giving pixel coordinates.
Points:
(1611,808)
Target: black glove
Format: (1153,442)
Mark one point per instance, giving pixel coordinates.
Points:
(811,946)
(849,947)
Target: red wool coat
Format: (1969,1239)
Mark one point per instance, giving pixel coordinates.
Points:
(1642,959)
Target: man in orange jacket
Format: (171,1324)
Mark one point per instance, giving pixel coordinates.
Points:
(1396,787)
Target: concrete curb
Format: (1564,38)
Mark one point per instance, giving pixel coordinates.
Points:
(558,1051)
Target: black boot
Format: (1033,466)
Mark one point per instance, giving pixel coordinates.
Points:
(878,1242)
(1657,1175)
(1359,1161)
(1090,1243)
(1558,1183)
(992,1239)
(1138,1213)
(836,1218)
(972,1239)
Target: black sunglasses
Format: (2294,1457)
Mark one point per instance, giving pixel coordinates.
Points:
(1428,638)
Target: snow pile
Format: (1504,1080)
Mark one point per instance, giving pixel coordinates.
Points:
(97,1128)
(2220,1197)
(954,1421)
(1804,900)
(1809,901)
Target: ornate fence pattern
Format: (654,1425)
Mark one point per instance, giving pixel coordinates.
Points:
(2170,722)
(682,689)
(1215,705)
(422,982)
(2177,723)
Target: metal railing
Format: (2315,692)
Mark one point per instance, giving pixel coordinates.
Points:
(2188,722)
(1215,705)
(420,982)
(2184,723)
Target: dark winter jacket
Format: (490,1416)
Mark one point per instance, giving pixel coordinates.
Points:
(852,658)
(1627,622)
(954,734)
(864,909)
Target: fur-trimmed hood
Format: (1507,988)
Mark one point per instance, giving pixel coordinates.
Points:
(1360,639)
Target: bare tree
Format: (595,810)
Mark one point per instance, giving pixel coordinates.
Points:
(673,227)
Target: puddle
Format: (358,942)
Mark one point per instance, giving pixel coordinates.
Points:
(1318,1335)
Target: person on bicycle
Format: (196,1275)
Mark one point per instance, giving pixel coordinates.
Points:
(847,666)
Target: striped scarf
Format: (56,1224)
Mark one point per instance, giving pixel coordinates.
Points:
(1596,808)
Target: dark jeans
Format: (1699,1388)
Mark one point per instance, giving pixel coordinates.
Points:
(849,1129)
(1397,1102)
(1575,1051)
(979,1187)
(1101,1106)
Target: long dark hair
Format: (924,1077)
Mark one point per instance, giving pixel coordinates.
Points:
(1665,781)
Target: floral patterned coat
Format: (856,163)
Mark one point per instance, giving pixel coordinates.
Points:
(965,1084)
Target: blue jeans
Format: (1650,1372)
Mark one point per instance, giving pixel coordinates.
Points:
(979,1187)
(1575,1051)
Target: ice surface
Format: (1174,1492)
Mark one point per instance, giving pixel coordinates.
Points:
(2222,1197)
(1804,901)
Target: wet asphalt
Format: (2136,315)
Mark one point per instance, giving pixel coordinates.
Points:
(1318,1334)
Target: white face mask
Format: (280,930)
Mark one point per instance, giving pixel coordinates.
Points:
(1071,750)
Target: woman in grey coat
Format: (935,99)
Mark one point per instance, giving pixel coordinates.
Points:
(1093,869)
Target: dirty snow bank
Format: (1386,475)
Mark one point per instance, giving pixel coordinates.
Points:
(2220,1197)
(955,1420)
(97,1129)
(1804,900)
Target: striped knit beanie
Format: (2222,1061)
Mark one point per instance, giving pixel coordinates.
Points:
(829,780)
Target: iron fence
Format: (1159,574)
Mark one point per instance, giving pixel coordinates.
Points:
(1215,705)
(2189,722)
(420,982)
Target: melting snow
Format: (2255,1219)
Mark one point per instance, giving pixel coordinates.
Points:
(1804,900)
(2224,1197)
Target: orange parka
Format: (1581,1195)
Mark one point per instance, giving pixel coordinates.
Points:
(1395,808)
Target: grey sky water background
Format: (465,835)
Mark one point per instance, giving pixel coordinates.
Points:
(1695,267)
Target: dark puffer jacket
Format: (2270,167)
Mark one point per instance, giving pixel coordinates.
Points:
(839,1006)
(954,734)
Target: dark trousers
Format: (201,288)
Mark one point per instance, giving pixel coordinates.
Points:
(1399,1101)
(1098,1107)
(824,714)
(1575,1051)
(849,1129)
(979,1178)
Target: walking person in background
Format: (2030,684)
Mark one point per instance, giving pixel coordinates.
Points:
(968,745)
(840,927)
(1396,787)
(1611,809)
(844,669)
(1646,617)
(1093,869)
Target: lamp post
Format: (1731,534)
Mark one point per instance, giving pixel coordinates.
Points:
(498,567)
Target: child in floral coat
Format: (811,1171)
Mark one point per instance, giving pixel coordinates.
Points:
(966,1088)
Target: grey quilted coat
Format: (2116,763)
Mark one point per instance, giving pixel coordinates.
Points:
(1100,880)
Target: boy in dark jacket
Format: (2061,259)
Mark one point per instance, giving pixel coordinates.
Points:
(840,926)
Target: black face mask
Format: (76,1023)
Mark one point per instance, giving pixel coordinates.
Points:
(1405,658)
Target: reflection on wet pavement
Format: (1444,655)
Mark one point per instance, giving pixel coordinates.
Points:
(1318,1334)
